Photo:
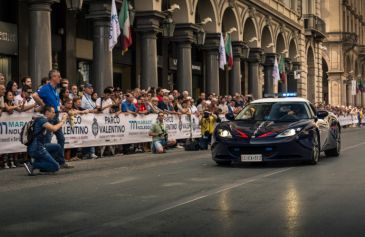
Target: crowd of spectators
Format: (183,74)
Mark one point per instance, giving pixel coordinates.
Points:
(76,100)
(341,110)
(345,111)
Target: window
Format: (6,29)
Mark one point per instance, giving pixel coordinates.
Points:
(275,111)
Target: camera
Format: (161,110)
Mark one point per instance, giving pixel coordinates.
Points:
(164,135)
(206,114)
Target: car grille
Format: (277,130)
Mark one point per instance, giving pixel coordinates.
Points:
(264,150)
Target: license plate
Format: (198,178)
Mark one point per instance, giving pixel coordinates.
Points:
(251,158)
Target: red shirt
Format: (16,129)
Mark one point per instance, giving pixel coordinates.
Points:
(141,107)
(160,98)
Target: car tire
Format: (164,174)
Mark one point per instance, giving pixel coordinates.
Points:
(223,163)
(315,150)
(337,150)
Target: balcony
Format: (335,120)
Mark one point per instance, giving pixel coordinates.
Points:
(361,50)
(349,38)
(314,26)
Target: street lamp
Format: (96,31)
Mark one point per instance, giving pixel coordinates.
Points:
(74,5)
(200,37)
(168,26)
(200,34)
(245,51)
(263,57)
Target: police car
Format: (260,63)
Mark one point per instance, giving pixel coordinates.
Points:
(277,129)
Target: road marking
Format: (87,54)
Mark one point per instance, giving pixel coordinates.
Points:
(173,184)
(163,208)
(125,180)
(353,146)
(218,190)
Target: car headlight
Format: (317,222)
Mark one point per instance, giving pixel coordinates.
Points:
(224,133)
(289,132)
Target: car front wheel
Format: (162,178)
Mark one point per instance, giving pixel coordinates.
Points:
(315,150)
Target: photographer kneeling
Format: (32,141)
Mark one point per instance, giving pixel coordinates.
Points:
(159,135)
(47,156)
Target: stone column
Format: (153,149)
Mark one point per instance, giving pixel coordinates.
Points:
(40,48)
(349,96)
(184,36)
(358,98)
(23,45)
(344,92)
(268,70)
(70,46)
(148,25)
(212,62)
(254,60)
(165,63)
(149,74)
(362,99)
(102,72)
(236,77)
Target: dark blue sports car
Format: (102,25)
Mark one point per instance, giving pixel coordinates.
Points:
(277,129)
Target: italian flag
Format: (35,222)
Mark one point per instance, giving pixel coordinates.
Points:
(229,52)
(125,26)
(282,69)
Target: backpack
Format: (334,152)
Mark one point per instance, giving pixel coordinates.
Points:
(27,134)
(191,145)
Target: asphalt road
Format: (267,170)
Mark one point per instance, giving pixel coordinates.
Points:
(185,194)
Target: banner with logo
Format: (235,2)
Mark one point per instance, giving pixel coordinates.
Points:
(99,129)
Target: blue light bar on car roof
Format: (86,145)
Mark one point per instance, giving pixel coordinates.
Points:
(288,94)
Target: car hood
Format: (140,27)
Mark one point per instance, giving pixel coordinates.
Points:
(261,129)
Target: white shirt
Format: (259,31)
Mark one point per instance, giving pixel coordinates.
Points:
(100,102)
(18,100)
(87,102)
(194,109)
(224,108)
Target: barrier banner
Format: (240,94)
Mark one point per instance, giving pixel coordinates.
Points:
(349,120)
(99,129)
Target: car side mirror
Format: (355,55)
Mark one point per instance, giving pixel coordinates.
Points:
(315,118)
(322,114)
(230,116)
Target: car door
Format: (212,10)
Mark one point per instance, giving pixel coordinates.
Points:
(322,125)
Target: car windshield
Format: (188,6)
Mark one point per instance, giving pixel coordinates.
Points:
(274,111)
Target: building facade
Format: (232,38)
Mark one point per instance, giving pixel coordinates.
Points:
(345,50)
(321,61)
